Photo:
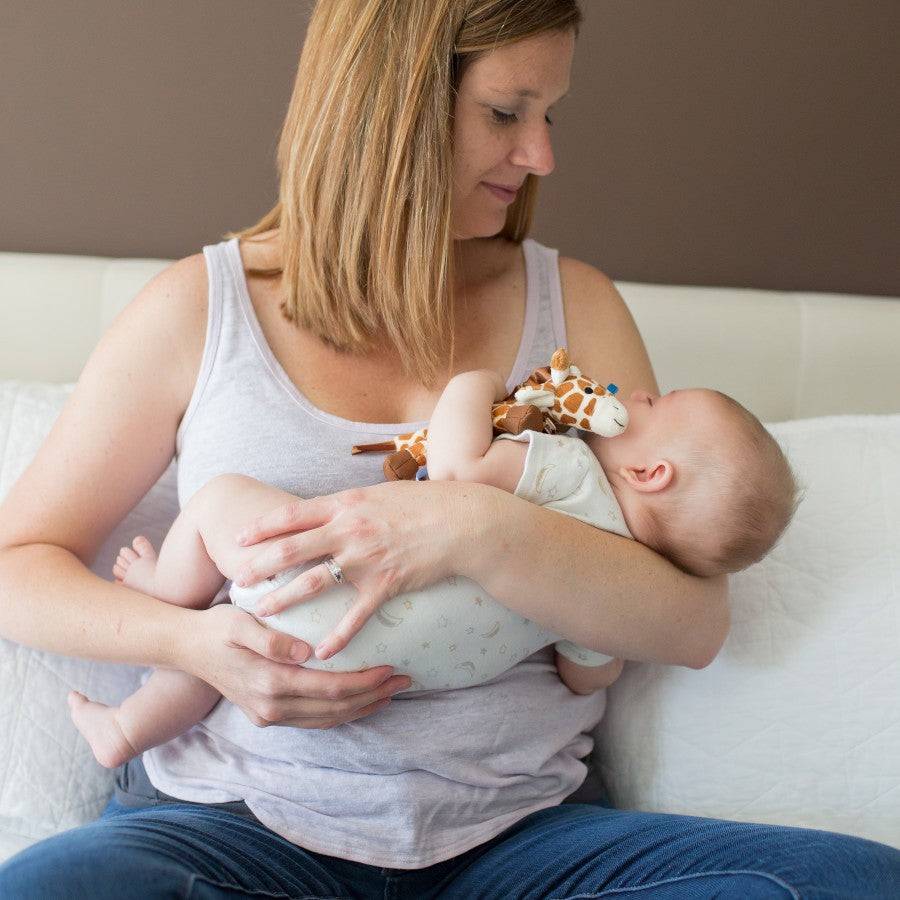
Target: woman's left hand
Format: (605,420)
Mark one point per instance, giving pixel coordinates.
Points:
(387,539)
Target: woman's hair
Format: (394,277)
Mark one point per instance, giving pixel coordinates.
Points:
(365,166)
(736,496)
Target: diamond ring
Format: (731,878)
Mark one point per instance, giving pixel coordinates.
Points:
(336,572)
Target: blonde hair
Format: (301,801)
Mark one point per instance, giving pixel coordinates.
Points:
(365,166)
(735,495)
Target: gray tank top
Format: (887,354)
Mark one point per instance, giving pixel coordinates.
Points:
(436,772)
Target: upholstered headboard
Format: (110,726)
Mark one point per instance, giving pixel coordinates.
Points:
(785,355)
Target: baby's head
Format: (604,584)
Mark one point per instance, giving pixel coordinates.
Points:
(700,480)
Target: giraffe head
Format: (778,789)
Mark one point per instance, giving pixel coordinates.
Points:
(573,400)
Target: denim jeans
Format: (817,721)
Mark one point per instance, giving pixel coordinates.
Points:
(569,851)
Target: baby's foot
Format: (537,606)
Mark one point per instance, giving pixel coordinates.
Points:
(98,724)
(135,566)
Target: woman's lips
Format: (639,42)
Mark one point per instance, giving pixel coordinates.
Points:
(502,192)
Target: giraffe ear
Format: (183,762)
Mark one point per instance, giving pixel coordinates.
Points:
(650,479)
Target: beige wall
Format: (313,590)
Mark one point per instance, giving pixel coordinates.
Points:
(744,142)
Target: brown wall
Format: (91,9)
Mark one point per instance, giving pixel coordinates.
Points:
(743,142)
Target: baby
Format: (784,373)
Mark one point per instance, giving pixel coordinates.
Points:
(695,476)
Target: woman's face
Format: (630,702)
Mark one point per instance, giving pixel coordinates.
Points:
(501,128)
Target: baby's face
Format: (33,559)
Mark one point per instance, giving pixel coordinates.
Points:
(654,420)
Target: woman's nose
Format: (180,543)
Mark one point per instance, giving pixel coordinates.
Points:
(535,150)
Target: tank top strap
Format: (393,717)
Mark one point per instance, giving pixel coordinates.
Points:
(545,323)
(223,311)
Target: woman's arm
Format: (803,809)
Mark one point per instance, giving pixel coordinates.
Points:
(114,438)
(603,591)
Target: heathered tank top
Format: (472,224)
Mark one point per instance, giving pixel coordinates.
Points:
(436,772)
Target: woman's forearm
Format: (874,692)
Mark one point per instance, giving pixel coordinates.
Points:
(603,591)
(50,601)
(59,606)
(600,590)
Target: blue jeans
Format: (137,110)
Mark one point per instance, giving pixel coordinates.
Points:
(573,850)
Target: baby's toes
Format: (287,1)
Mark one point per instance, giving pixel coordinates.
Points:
(143,548)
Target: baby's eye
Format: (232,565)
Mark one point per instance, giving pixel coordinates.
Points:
(501,117)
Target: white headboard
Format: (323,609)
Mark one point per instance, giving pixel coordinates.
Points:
(784,355)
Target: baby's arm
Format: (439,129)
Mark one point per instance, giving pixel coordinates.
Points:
(461,443)
(586,679)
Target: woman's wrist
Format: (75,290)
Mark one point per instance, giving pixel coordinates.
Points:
(478,514)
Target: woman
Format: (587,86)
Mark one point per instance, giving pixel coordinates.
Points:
(394,259)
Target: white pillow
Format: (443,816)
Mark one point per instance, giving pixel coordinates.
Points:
(798,719)
(49,780)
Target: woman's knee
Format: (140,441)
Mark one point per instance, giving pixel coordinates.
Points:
(96,862)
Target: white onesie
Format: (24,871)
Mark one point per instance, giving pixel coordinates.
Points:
(432,635)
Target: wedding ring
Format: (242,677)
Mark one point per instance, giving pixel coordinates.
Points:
(336,572)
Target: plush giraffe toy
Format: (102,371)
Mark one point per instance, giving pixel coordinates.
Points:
(550,399)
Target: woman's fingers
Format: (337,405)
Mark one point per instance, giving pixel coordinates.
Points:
(297,515)
(362,609)
(326,722)
(285,553)
(305,586)
(315,699)
(254,668)
(316,581)
(278,646)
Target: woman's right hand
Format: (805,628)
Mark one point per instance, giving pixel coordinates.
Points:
(260,671)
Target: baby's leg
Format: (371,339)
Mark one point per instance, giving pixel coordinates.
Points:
(200,551)
(168,704)
(197,554)
(212,519)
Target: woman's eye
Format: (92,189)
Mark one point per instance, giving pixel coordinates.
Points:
(501,117)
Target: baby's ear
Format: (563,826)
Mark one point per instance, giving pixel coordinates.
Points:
(655,477)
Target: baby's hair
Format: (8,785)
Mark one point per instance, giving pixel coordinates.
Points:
(739,491)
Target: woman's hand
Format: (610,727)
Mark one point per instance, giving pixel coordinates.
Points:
(387,539)
(260,671)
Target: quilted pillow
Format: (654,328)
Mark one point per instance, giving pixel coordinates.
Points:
(49,780)
(798,719)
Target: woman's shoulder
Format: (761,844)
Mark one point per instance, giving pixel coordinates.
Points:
(178,292)
(603,337)
(581,280)
(161,333)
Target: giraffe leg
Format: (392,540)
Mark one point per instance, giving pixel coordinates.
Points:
(400,466)
(524,417)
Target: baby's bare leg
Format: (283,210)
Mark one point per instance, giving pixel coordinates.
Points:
(197,554)
(169,702)
(200,551)
(165,706)
(213,517)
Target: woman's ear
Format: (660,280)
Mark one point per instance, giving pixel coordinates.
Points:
(655,477)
